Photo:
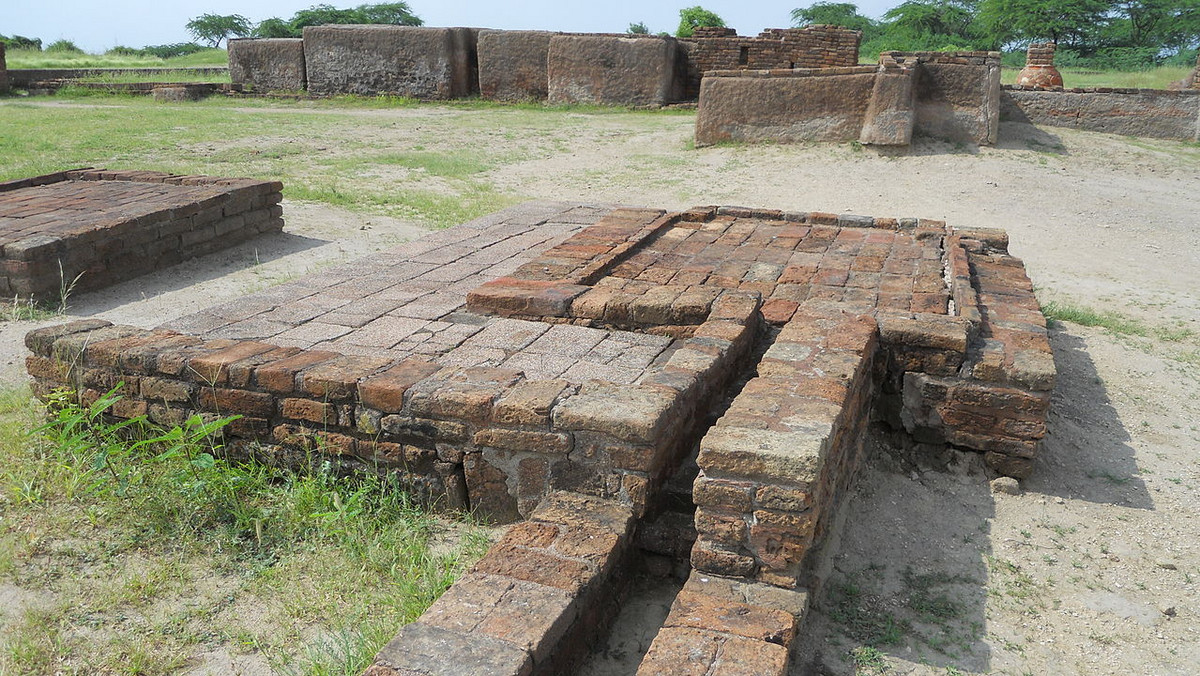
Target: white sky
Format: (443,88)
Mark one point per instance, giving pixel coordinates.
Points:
(96,25)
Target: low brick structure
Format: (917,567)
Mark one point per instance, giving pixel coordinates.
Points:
(559,362)
(613,70)
(267,65)
(107,226)
(816,46)
(513,65)
(948,95)
(784,106)
(419,62)
(1156,113)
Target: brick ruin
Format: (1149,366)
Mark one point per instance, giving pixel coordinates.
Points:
(950,95)
(1040,98)
(446,63)
(559,365)
(91,228)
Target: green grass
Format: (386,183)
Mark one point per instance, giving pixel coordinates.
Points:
(153,76)
(1115,322)
(1155,78)
(146,546)
(28,58)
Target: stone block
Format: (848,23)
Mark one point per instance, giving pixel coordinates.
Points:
(959,102)
(891,113)
(609,70)
(267,65)
(638,414)
(512,65)
(427,649)
(418,62)
(783,109)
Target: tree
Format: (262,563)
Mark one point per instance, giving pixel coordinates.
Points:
(691,18)
(1073,22)
(213,28)
(394,13)
(844,14)
(638,28)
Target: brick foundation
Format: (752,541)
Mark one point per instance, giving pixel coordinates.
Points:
(107,226)
(557,363)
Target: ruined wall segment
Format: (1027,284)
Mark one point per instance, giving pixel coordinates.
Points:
(816,46)
(611,70)
(957,94)
(1156,113)
(419,62)
(268,65)
(513,65)
(789,106)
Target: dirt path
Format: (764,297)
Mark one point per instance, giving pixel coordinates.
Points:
(1093,568)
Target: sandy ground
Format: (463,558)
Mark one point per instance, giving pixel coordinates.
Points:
(1093,567)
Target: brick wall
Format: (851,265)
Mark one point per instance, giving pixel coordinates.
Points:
(629,71)
(268,64)
(957,94)
(1157,113)
(828,104)
(513,65)
(108,226)
(3,71)
(816,46)
(423,63)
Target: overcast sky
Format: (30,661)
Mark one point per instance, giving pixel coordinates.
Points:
(97,25)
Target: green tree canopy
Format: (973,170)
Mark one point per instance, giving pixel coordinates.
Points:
(213,28)
(843,14)
(691,18)
(1073,22)
(394,13)
(638,28)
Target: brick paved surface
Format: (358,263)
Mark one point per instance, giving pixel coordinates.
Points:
(106,226)
(578,352)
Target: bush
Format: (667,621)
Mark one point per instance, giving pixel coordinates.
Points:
(121,50)
(63,47)
(173,50)
(22,42)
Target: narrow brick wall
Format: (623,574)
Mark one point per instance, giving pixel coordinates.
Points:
(957,94)
(1157,113)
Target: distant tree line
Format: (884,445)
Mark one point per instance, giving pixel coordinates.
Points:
(1115,34)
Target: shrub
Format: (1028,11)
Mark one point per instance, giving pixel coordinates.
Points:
(63,47)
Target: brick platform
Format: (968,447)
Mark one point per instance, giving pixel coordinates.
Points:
(107,226)
(559,362)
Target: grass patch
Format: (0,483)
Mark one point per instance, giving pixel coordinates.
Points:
(32,58)
(152,546)
(1114,322)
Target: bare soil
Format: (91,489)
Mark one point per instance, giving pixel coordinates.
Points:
(1092,568)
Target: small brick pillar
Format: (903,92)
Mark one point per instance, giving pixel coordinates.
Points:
(1039,70)
(714,32)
